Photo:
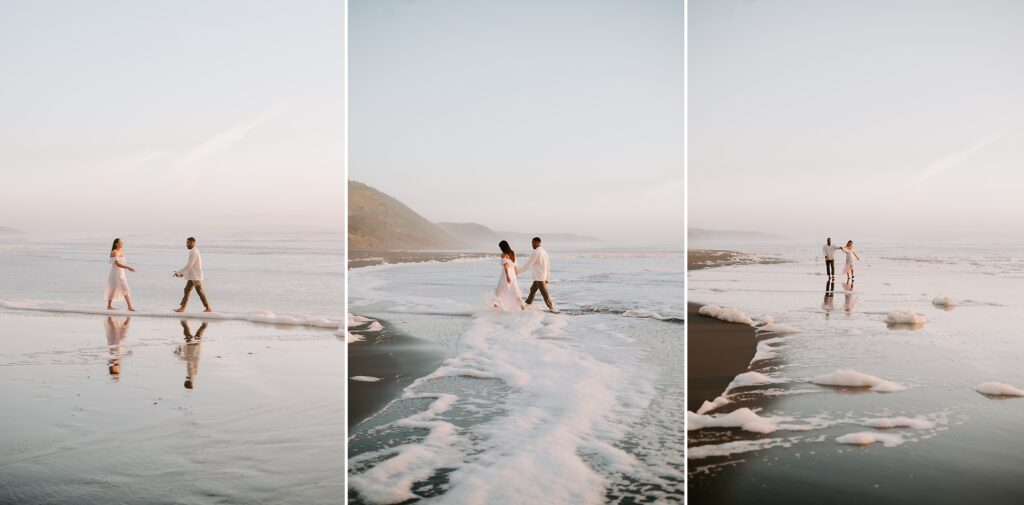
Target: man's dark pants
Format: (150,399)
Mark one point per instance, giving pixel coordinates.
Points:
(830,268)
(543,287)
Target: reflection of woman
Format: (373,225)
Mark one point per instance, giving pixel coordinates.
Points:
(117,282)
(507,295)
(116,332)
(850,255)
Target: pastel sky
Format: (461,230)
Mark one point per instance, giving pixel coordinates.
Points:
(870,119)
(175,116)
(532,116)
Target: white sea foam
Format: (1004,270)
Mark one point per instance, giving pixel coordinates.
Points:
(727,314)
(853,378)
(904,316)
(917,423)
(571,408)
(365,378)
(943,301)
(735,447)
(257,316)
(782,329)
(708,406)
(749,379)
(742,418)
(651,314)
(350,338)
(998,389)
(870,437)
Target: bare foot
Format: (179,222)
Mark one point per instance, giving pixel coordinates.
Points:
(131,309)
(180,309)
(109,307)
(208,309)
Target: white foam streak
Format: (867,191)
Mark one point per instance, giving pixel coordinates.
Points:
(853,378)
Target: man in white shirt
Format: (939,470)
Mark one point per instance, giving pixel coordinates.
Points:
(193,273)
(829,251)
(539,266)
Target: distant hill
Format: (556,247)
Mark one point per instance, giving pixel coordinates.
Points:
(701,235)
(378,221)
(481,236)
(4,230)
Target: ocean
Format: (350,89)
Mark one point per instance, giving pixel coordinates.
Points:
(583,406)
(874,392)
(244,405)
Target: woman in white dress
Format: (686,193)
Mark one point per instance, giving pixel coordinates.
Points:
(507,295)
(117,281)
(850,255)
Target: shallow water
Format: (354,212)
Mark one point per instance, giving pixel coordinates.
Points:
(585,406)
(964,450)
(102,409)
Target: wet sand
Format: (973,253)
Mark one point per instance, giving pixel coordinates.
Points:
(394,358)
(104,410)
(357,259)
(718,352)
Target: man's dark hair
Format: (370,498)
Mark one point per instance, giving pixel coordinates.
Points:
(190,239)
(536,239)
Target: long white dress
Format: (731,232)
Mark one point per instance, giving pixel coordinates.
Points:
(507,295)
(848,268)
(117,282)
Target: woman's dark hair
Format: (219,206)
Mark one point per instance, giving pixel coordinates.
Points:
(505,248)
(114,245)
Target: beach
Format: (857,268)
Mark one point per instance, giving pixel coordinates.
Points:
(718,352)
(243,405)
(576,407)
(903,383)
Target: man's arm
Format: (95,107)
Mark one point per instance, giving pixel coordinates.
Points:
(529,262)
(191,261)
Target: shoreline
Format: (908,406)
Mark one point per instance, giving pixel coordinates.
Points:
(699,259)
(718,352)
(360,259)
(397,359)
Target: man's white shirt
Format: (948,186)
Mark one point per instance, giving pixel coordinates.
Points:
(539,265)
(830,251)
(193,270)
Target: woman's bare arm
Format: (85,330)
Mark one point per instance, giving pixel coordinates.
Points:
(126,267)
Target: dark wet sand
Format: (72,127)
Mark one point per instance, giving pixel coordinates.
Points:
(718,352)
(357,259)
(395,358)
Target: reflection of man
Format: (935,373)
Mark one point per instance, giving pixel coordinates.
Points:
(190,351)
(539,266)
(116,332)
(827,303)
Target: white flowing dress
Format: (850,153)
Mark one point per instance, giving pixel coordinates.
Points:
(507,295)
(848,268)
(117,282)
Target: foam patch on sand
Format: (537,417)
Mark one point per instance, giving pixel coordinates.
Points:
(743,418)
(727,314)
(781,329)
(749,379)
(855,379)
(993,388)
(258,316)
(708,406)
(870,437)
(736,447)
(365,378)
(350,338)
(943,301)
(904,316)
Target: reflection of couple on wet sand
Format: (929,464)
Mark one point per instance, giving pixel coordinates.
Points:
(507,295)
(117,281)
(117,330)
(830,260)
